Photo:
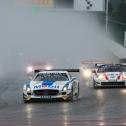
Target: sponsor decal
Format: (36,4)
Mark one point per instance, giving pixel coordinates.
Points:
(37,86)
(48,84)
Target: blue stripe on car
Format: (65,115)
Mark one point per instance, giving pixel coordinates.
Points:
(48,83)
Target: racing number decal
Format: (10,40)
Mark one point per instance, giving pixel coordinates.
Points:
(46,85)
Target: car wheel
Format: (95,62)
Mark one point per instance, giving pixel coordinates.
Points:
(71,96)
(76,95)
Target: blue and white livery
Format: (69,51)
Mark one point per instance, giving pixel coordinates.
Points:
(51,85)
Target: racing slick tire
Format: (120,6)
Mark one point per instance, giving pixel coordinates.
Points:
(75,96)
(71,96)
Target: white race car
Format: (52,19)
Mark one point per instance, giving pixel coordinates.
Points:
(110,75)
(51,85)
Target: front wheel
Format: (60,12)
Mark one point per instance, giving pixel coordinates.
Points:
(71,96)
(75,95)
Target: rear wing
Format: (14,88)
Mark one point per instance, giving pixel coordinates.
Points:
(69,70)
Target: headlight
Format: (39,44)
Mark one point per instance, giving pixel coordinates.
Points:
(48,68)
(28,89)
(29,69)
(124,77)
(65,88)
(87,73)
(101,77)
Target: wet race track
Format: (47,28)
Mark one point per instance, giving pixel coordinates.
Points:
(94,107)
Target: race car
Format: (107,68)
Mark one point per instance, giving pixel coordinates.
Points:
(52,85)
(37,66)
(110,75)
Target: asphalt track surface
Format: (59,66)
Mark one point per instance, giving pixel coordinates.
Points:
(95,107)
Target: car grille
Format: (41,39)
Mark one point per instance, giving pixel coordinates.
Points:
(113,83)
(46,92)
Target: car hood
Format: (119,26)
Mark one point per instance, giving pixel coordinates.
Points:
(38,85)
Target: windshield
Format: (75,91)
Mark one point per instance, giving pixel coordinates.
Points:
(51,77)
(114,68)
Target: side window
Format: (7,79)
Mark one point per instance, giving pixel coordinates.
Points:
(65,76)
(38,78)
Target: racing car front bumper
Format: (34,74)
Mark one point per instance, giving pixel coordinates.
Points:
(110,83)
(60,95)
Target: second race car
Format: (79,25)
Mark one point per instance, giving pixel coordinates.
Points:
(37,66)
(110,75)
